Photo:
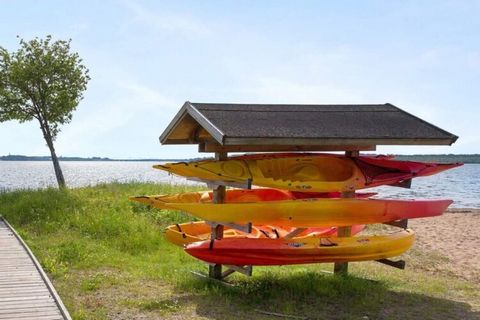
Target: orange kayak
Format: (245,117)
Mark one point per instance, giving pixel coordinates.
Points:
(237,196)
(186,233)
(264,252)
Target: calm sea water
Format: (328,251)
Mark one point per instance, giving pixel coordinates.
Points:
(460,184)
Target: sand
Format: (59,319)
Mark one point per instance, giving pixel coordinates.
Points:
(456,236)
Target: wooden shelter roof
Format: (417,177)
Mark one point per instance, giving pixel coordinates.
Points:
(251,127)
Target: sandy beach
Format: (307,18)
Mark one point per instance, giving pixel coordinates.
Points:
(454,236)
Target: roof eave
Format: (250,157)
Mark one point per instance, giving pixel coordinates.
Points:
(337,141)
(189,108)
(453,137)
(216,133)
(173,124)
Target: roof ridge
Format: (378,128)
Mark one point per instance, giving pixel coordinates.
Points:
(291,104)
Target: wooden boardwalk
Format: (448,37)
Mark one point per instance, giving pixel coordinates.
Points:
(25,290)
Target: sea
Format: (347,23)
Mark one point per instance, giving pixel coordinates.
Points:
(461,184)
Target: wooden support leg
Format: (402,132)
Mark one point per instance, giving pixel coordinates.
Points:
(341,268)
(216,232)
(215,271)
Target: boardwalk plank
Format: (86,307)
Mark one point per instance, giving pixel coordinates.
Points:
(26,309)
(25,290)
(37,316)
(25,294)
(23,298)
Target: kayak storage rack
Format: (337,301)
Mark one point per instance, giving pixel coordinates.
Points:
(222,128)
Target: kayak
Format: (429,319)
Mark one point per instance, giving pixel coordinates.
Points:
(264,252)
(314,212)
(186,233)
(237,196)
(317,172)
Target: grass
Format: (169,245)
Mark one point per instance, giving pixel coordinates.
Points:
(108,260)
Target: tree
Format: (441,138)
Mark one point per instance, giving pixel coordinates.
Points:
(42,80)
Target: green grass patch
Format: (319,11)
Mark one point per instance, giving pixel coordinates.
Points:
(108,259)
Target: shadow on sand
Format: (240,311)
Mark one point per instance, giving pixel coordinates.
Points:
(316,296)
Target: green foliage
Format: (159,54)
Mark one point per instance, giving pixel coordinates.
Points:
(41,210)
(41,80)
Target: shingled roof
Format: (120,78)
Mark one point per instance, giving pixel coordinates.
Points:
(300,125)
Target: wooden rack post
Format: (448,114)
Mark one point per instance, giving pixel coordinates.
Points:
(215,271)
(341,268)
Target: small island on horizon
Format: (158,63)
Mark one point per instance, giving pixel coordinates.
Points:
(464,158)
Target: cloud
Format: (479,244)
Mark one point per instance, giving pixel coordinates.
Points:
(167,21)
(145,95)
(92,128)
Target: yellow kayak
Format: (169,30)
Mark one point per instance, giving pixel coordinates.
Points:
(262,252)
(292,173)
(307,171)
(186,233)
(314,212)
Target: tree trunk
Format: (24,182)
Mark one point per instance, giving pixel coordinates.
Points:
(56,164)
(48,139)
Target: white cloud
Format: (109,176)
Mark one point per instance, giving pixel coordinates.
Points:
(147,96)
(136,102)
(167,21)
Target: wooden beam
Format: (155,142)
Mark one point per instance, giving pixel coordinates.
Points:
(399,264)
(341,268)
(246,270)
(205,123)
(215,147)
(398,223)
(403,184)
(335,141)
(247,228)
(209,278)
(352,154)
(215,271)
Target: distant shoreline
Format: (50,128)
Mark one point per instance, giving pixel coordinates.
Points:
(464,158)
(94,159)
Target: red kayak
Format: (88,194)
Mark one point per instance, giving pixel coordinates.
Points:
(377,169)
(264,252)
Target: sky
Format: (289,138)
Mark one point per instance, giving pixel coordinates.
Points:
(146,58)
